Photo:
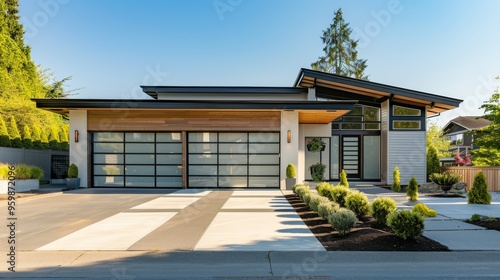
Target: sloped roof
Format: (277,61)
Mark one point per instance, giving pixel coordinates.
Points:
(471,122)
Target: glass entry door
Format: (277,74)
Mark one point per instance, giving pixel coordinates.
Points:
(351,156)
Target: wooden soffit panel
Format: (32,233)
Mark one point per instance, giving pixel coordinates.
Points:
(320,116)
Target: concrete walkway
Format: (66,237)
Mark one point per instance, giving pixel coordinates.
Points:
(449,228)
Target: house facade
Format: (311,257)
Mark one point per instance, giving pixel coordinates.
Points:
(244,137)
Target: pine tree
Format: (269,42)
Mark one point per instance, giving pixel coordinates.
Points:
(396,184)
(343,179)
(341,56)
(54,141)
(64,137)
(412,189)
(27,142)
(15,136)
(433,165)
(44,139)
(36,137)
(479,194)
(4,134)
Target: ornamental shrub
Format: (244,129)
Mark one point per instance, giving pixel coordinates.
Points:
(479,194)
(316,199)
(433,165)
(73,171)
(343,220)
(338,194)
(306,197)
(296,188)
(290,171)
(4,134)
(303,192)
(412,189)
(358,203)
(36,172)
(343,179)
(323,188)
(396,184)
(475,218)
(27,142)
(381,208)
(15,136)
(23,172)
(325,209)
(406,224)
(423,210)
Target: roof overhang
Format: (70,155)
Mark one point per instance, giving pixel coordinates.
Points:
(310,112)
(153,91)
(340,87)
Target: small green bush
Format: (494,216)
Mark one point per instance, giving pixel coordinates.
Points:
(479,194)
(316,199)
(36,172)
(423,210)
(358,203)
(406,224)
(22,172)
(338,194)
(73,171)
(290,171)
(296,188)
(381,208)
(343,220)
(323,188)
(306,197)
(396,184)
(412,189)
(475,218)
(343,179)
(325,209)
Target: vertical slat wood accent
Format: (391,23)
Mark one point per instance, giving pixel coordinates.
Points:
(184,159)
(182,120)
(469,172)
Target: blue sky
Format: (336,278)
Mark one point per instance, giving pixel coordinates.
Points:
(446,47)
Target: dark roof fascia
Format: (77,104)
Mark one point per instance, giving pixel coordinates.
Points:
(192,104)
(154,90)
(377,86)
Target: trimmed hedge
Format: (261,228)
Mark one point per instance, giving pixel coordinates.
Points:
(381,208)
(325,209)
(315,200)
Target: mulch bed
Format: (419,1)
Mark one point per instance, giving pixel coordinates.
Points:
(367,235)
(490,223)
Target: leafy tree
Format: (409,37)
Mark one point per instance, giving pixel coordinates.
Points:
(15,136)
(4,134)
(488,139)
(435,138)
(54,141)
(341,56)
(433,165)
(27,142)
(44,140)
(36,137)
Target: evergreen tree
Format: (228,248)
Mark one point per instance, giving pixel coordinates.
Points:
(36,137)
(412,189)
(15,136)
(479,194)
(343,179)
(341,56)
(27,142)
(54,141)
(44,140)
(4,134)
(64,137)
(433,165)
(487,139)
(396,184)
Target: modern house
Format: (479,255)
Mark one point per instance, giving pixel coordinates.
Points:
(239,137)
(458,131)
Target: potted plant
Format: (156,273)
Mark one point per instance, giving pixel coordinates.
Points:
(316,145)
(317,171)
(290,176)
(445,180)
(72,181)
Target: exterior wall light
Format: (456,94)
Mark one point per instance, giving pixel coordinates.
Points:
(77,134)
(289,136)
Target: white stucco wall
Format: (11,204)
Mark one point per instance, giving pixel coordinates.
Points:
(78,152)
(289,121)
(310,130)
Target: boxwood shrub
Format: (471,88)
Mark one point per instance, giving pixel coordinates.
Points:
(338,194)
(381,208)
(358,203)
(323,188)
(406,224)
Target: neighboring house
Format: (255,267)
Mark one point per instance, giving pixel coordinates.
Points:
(190,137)
(459,131)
